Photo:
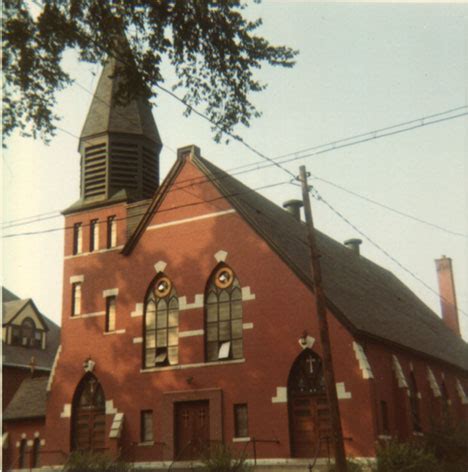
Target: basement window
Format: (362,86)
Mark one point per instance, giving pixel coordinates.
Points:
(241,421)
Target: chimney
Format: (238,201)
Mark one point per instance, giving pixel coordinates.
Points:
(448,299)
(294,207)
(353,244)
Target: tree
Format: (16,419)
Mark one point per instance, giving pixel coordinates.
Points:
(211,45)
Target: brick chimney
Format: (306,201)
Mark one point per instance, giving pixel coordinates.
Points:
(448,299)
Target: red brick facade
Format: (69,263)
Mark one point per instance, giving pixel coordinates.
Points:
(185,236)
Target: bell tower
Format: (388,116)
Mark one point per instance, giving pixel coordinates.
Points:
(119,146)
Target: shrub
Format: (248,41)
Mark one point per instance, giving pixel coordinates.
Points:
(221,459)
(354,466)
(84,461)
(450,446)
(395,456)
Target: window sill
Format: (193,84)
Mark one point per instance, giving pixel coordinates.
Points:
(243,439)
(145,444)
(191,366)
(384,437)
(117,331)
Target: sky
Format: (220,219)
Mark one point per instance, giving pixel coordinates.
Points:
(362,67)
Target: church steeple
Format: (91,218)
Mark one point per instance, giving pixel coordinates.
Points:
(119,145)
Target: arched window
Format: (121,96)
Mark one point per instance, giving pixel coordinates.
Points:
(223,316)
(22,454)
(35,452)
(27,334)
(414,402)
(161,328)
(89,415)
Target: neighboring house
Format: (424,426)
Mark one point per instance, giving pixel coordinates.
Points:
(29,344)
(189,318)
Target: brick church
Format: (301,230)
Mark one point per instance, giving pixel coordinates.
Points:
(189,319)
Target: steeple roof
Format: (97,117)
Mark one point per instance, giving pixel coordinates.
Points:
(106,115)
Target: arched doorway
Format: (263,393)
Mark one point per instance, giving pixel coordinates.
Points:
(309,413)
(88,416)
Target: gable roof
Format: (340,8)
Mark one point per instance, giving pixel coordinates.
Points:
(29,400)
(367,298)
(19,356)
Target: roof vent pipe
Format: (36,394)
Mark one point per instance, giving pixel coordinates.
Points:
(353,244)
(294,207)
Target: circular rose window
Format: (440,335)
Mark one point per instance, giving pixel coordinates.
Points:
(163,287)
(224,277)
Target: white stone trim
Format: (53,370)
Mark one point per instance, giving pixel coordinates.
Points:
(117,331)
(23,435)
(190,220)
(240,440)
(461,392)
(138,310)
(399,374)
(110,409)
(192,366)
(221,255)
(5,438)
(384,437)
(88,315)
(194,332)
(29,442)
(36,434)
(363,361)
(43,442)
(197,303)
(247,325)
(341,391)
(110,292)
(74,279)
(137,340)
(160,266)
(54,366)
(433,383)
(66,413)
(247,294)
(98,251)
(281,395)
(117,424)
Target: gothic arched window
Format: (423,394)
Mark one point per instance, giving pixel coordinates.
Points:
(89,415)
(161,328)
(414,402)
(223,316)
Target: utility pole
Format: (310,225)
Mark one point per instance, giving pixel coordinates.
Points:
(340,457)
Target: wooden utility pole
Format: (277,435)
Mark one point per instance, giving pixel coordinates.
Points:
(340,457)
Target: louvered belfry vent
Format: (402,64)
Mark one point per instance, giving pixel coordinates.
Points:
(95,170)
(119,145)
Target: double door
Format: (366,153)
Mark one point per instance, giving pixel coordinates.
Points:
(192,429)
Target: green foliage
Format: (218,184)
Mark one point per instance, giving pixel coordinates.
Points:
(396,456)
(450,446)
(82,461)
(211,46)
(354,466)
(221,459)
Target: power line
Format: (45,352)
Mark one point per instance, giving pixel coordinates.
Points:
(50,230)
(394,210)
(319,198)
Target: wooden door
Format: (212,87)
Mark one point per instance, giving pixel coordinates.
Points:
(89,416)
(309,413)
(192,429)
(310,425)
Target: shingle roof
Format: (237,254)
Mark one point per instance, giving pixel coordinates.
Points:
(8,296)
(106,115)
(29,400)
(367,297)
